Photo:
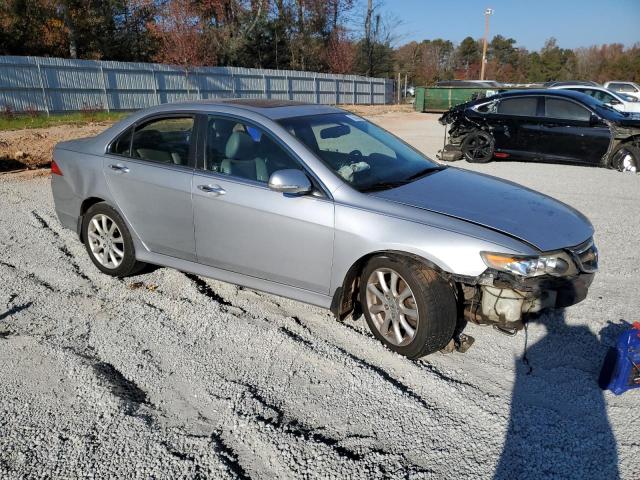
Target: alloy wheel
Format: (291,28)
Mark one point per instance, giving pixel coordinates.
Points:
(105,241)
(478,147)
(392,306)
(626,162)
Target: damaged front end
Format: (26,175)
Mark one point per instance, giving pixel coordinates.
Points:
(621,136)
(460,126)
(506,293)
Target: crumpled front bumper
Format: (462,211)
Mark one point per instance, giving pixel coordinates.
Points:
(569,291)
(503,299)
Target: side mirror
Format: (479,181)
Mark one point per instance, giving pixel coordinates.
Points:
(615,101)
(594,119)
(290,181)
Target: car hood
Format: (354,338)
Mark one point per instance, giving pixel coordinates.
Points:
(507,207)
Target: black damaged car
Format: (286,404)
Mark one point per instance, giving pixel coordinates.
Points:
(559,126)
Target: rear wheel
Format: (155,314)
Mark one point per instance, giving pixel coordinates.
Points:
(478,147)
(109,242)
(408,306)
(626,158)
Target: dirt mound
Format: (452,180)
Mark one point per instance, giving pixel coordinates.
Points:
(32,148)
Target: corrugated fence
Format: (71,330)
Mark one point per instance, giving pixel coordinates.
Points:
(59,85)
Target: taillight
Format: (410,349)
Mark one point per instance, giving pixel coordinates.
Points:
(55,169)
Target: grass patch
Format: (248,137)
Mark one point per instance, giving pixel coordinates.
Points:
(18,121)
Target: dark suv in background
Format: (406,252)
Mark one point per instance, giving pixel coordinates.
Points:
(543,125)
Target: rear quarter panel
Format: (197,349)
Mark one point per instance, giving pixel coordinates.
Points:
(82,177)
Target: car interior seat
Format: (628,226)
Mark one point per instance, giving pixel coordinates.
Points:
(242,159)
(219,132)
(146,146)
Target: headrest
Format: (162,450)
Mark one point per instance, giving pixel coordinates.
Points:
(223,128)
(240,146)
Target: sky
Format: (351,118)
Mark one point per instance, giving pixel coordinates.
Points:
(574,23)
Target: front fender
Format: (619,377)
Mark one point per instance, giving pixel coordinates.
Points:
(359,233)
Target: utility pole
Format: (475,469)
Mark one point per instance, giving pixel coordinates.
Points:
(487,13)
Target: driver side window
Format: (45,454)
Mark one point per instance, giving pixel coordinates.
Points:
(243,150)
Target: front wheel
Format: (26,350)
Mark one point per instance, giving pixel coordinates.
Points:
(109,242)
(626,158)
(478,147)
(408,306)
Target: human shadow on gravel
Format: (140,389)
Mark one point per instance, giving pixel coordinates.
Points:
(558,426)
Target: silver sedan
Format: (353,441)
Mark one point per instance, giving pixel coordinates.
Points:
(319,205)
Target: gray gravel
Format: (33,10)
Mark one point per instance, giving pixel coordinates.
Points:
(189,377)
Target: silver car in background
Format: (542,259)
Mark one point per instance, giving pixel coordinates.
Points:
(321,206)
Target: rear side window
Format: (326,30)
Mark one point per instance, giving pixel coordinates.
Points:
(566,110)
(523,106)
(122,144)
(166,140)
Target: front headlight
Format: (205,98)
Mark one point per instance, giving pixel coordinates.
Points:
(527,266)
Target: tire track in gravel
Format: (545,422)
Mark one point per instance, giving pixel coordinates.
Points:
(227,456)
(131,396)
(64,249)
(292,426)
(31,276)
(297,429)
(14,310)
(421,364)
(206,290)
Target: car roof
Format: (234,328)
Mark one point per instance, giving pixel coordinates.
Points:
(548,92)
(580,97)
(586,87)
(270,108)
(556,83)
(577,85)
(559,92)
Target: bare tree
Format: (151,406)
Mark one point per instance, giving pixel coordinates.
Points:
(368,41)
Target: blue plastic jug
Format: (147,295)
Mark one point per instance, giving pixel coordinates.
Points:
(621,369)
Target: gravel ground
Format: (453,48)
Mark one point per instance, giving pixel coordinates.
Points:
(170,375)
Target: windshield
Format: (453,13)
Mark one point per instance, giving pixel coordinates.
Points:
(365,156)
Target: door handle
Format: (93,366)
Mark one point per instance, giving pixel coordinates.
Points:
(213,189)
(119,168)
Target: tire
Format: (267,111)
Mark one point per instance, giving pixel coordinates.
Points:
(478,147)
(626,158)
(95,240)
(430,297)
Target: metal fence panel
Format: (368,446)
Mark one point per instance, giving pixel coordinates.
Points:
(58,85)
